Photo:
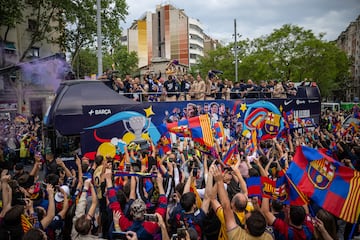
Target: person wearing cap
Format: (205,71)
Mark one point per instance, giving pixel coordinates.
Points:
(18,170)
(144,229)
(58,222)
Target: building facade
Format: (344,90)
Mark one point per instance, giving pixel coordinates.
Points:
(210,44)
(196,41)
(349,41)
(19,92)
(166,35)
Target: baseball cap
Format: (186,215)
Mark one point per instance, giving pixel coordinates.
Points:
(59,197)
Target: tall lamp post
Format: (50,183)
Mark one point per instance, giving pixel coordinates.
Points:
(99,38)
(236,51)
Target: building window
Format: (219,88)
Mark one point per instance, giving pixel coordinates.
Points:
(34,52)
(10,48)
(31,25)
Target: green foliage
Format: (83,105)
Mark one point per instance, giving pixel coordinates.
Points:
(81,28)
(11,13)
(45,15)
(288,53)
(86,63)
(122,60)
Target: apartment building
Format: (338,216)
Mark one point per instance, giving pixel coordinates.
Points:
(165,35)
(349,41)
(18,93)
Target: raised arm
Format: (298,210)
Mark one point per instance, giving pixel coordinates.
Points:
(236,170)
(224,199)
(265,208)
(51,208)
(188,183)
(6,193)
(60,163)
(133,184)
(261,169)
(78,164)
(65,206)
(92,208)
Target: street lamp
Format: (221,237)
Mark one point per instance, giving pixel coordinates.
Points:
(99,55)
(236,52)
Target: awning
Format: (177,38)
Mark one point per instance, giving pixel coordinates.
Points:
(10,46)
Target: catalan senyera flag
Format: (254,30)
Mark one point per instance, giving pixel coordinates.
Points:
(200,129)
(329,183)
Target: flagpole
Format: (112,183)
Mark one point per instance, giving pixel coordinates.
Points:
(303,197)
(353,230)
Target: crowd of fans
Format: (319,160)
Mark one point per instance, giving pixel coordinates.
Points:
(183,194)
(20,140)
(178,87)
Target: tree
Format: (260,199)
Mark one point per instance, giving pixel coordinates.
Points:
(86,63)
(43,16)
(80,19)
(123,61)
(288,53)
(10,15)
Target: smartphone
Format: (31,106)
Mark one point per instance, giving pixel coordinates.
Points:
(150,217)
(115,165)
(43,186)
(154,168)
(127,167)
(119,235)
(195,171)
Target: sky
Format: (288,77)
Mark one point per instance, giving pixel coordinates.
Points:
(257,18)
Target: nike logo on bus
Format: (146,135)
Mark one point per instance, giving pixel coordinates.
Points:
(287,103)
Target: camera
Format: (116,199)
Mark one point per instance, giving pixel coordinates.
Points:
(150,217)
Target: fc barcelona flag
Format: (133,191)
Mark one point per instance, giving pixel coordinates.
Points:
(260,187)
(219,129)
(329,183)
(230,153)
(180,128)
